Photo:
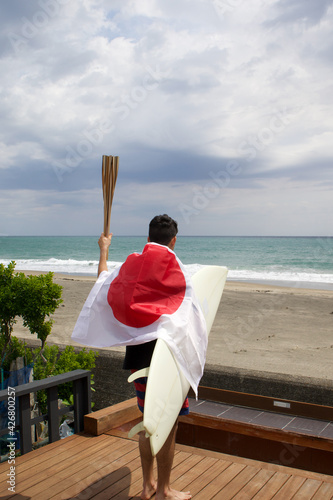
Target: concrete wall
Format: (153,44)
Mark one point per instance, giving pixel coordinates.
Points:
(110,380)
(304,389)
(111,384)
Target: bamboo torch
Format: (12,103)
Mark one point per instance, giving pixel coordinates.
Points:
(109,178)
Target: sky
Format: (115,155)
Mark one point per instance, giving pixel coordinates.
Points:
(220,112)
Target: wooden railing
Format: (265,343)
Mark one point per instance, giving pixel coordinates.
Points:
(81,405)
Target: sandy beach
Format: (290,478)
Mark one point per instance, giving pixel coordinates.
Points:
(258,327)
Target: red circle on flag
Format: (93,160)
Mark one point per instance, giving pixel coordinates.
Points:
(148,285)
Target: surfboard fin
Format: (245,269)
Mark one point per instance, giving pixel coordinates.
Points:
(137,428)
(138,374)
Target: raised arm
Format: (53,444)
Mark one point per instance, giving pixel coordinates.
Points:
(104,243)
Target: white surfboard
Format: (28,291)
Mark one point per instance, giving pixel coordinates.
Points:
(167,387)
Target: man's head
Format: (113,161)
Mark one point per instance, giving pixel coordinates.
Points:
(163,230)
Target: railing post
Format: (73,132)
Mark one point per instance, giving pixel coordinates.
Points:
(82,401)
(87,392)
(53,416)
(25,423)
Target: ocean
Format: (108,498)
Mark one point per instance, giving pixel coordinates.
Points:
(305,262)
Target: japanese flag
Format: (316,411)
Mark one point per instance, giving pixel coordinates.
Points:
(150,296)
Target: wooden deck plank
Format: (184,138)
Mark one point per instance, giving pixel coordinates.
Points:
(220,481)
(307,490)
(205,484)
(182,480)
(185,472)
(51,465)
(290,488)
(110,480)
(214,487)
(56,447)
(250,489)
(325,492)
(123,485)
(104,475)
(259,464)
(108,467)
(54,454)
(272,486)
(181,463)
(54,475)
(99,479)
(93,471)
(127,482)
(131,485)
(51,456)
(243,478)
(186,468)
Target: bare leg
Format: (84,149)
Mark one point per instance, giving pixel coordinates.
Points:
(164,465)
(147,463)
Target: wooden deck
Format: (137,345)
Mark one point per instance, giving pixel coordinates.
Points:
(107,466)
(103,463)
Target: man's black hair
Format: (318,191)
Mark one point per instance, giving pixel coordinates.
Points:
(162,229)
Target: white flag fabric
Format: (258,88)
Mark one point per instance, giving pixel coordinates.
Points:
(149,297)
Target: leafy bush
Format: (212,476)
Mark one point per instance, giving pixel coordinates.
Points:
(15,349)
(55,363)
(34,298)
(8,303)
(38,298)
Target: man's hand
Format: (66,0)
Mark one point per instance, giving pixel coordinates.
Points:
(104,242)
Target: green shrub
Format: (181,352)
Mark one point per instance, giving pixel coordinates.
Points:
(15,349)
(56,362)
(34,299)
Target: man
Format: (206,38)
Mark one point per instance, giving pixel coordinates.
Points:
(163,231)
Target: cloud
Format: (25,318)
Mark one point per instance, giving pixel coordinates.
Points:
(304,11)
(180,91)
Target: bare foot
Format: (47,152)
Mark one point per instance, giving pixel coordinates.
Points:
(174,495)
(148,491)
